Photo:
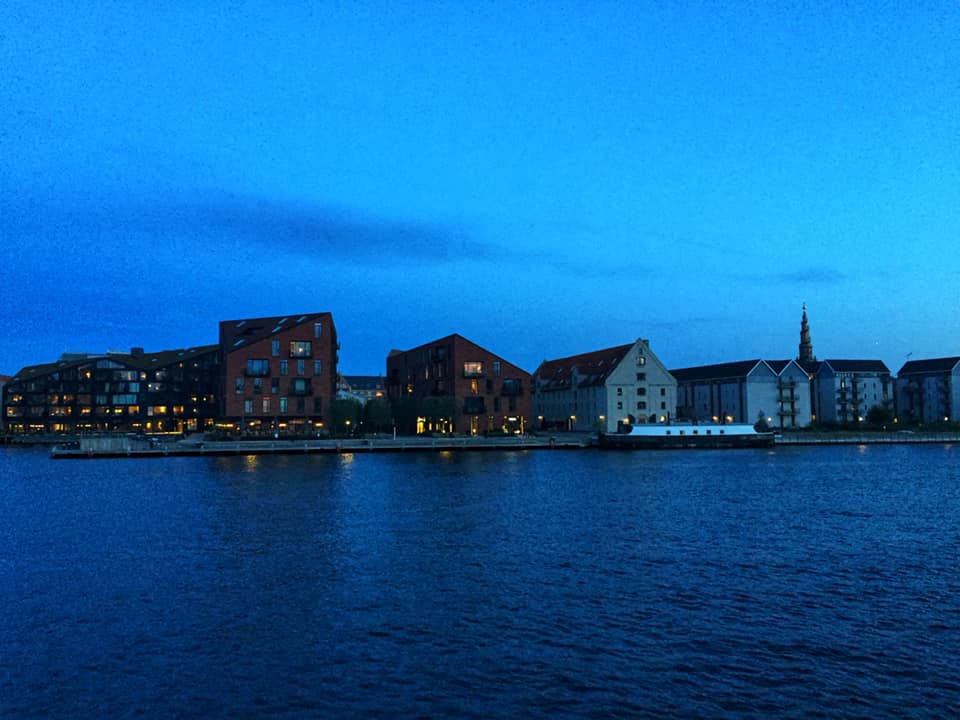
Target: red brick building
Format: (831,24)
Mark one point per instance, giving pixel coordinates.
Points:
(279,373)
(484,393)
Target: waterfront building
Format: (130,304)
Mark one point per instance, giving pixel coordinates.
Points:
(361,388)
(3,381)
(794,399)
(745,391)
(454,385)
(846,390)
(170,391)
(928,391)
(598,390)
(279,373)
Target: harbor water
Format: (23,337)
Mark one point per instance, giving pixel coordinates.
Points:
(791,582)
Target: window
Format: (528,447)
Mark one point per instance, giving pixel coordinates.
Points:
(663,406)
(301,367)
(619,404)
(301,404)
(299,386)
(641,360)
(317,405)
(238,386)
(275,348)
(257,386)
(283,366)
(512,403)
(248,406)
(496,404)
(489,387)
(496,368)
(641,391)
(641,405)
(511,386)
(317,367)
(663,392)
(472,369)
(641,376)
(258,368)
(274,386)
(266,405)
(300,348)
(473,405)
(474,387)
(619,392)
(283,405)
(317,329)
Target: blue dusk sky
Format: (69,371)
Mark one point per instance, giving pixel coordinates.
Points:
(544,178)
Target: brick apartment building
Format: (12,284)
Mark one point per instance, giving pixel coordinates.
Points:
(279,373)
(172,391)
(486,393)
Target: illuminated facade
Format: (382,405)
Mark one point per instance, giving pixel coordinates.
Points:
(279,373)
(457,386)
(171,391)
(597,390)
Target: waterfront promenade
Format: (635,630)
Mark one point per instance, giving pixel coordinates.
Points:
(125,446)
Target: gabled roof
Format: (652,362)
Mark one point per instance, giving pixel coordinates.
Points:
(722,371)
(592,368)
(867,366)
(778,366)
(453,338)
(364,382)
(240,333)
(932,365)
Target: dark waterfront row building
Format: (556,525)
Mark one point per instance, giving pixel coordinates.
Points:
(169,391)
(275,374)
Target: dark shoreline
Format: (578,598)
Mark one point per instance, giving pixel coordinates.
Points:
(122,447)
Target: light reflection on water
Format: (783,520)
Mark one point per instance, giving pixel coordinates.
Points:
(784,583)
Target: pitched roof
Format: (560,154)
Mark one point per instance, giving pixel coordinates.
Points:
(364,382)
(246,331)
(453,338)
(722,371)
(592,368)
(856,365)
(931,365)
(146,361)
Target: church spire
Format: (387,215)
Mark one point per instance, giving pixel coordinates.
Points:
(806,346)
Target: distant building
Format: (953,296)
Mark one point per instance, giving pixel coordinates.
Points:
(745,391)
(280,373)
(846,390)
(601,388)
(454,385)
(3,381)
(169,391)
(928,391)
(362,388)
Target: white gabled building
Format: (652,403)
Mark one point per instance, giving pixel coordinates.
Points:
(745,391)
(598,389)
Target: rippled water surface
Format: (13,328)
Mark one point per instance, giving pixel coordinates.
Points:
(801,582)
